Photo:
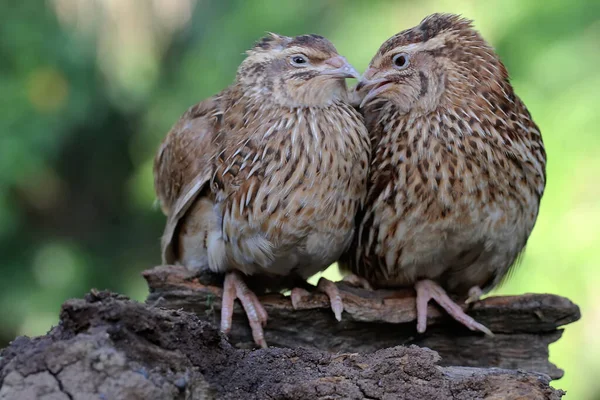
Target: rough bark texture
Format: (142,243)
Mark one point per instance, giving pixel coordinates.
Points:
(108,347)
(524,325)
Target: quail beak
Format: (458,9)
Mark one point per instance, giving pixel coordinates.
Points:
(374,86)
(339,67)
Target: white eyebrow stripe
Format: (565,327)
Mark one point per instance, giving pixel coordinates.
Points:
(432,44)
(295,49)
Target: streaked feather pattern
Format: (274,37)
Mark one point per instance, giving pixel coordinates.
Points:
(458,166)
(252,185)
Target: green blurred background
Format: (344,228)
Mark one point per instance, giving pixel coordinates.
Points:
(89,88)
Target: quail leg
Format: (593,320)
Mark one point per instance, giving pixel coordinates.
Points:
(326,286)
(427,290)
(235,288)
(335,299)
(331,290)
(357,281)
(475,294)
(296,295)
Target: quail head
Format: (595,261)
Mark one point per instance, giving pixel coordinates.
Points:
(457,172)
(266,177)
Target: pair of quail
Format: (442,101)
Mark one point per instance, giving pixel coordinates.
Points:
(428,174)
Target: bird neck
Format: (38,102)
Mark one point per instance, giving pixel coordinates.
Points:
(290,96)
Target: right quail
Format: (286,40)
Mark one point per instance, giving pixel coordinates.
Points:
(458,168)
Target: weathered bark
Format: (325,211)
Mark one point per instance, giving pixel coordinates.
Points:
(524,325)
(108,347)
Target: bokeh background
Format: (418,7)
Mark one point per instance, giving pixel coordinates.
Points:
(89,88)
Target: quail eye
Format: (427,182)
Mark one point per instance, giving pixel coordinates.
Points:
(400,61)
(299,61)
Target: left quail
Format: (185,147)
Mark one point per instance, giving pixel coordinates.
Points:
(266,177)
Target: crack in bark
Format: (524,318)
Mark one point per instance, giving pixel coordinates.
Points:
(60,384)
(365,396)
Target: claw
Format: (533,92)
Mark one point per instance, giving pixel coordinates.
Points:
(235,287)
(427,290)
(357,281)
(332,291)
(296,295)
(475,294)
(326,286)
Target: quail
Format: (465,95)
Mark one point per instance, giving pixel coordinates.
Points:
(457,171)
(266,177)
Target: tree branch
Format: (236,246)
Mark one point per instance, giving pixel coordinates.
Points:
(524,325)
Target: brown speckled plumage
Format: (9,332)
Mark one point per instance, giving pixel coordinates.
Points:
(266,177)
(458,165)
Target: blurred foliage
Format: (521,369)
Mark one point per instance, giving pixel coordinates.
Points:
(90,87)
